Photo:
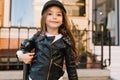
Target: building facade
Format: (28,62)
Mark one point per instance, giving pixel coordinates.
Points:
(1,12)
(89,14)
(93,15)
(83,13)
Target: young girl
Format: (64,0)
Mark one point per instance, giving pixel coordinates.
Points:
(53,45)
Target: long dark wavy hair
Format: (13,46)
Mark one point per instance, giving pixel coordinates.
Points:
(64,29)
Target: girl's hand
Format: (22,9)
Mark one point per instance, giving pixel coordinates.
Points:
(27,58)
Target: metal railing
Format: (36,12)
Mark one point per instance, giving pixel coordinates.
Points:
(14,35)
(10,40)
(103,38)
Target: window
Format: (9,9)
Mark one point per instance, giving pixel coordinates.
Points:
(75,7)
(21,13)
(105,16)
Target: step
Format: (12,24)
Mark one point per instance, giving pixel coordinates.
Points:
(84,74)
(11,75)
(91,74)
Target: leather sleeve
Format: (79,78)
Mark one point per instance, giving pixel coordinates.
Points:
(27,45)
(70,64)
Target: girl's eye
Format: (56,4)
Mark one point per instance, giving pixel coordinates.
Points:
(60,14)
(49,13)
(57,14)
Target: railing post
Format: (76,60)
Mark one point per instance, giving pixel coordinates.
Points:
(109,48)
(28,30)
(102,41)
(9,46)
(18,46)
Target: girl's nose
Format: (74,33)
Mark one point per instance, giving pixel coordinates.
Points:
(54,16)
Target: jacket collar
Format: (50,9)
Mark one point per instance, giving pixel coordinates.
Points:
(66,39)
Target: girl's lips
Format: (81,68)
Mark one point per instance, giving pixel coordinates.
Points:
(53,22)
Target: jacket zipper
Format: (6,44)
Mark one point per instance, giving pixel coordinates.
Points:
(50,65)
(49,69)
(50,62)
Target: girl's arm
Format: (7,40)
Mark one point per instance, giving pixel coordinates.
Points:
(70,64)
(24,53)
(26,58)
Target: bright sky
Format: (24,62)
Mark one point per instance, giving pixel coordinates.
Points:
(22,11)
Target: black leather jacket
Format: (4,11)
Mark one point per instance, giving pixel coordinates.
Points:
(49,58)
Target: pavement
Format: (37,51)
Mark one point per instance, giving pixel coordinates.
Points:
(84,74)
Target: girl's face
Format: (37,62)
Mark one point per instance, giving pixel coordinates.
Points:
(54,18)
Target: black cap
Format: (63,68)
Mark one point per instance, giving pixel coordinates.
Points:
(53,3)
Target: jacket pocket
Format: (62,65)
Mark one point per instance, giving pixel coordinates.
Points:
(58,70)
